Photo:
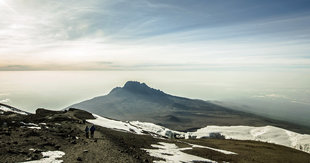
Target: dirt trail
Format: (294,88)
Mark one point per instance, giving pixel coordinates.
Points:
(97,149)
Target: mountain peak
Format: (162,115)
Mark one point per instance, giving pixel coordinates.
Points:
(141,88)
(135,84)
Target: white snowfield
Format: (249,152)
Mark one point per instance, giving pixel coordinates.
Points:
(268,134)
(6,109)
(49,157)
(132,126)
(153,128)
(167,151)
(172,153)
(114,124)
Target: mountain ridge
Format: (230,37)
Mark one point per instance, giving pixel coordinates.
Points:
(138,101)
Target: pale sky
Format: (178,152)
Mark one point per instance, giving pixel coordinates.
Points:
(154,35)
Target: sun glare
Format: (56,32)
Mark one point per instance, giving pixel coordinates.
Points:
(4,4)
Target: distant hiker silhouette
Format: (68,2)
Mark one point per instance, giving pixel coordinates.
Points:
(87,132)
(92,131)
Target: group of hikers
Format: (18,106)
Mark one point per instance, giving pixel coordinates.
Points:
(92,131)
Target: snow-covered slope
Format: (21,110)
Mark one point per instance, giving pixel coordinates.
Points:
(268,134)
(4,108)
(132,126)
(114,124)
(153,128)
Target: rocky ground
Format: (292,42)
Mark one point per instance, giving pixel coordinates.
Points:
(24,137)
(64,132)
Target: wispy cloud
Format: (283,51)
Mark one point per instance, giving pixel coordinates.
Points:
(154,35)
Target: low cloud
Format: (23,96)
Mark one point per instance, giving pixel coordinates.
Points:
(5,100)
(274,96)
(91,65)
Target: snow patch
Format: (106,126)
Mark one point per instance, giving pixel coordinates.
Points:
(6,109)
(114,124)
(172,153)
(153,128)
(34,127)
(50,157)
(29,124)
(132,126)
(214,149)
(268,134)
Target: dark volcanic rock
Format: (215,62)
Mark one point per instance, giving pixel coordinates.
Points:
(45,112)
(81,114)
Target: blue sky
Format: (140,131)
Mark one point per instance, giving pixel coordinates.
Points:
(204,35)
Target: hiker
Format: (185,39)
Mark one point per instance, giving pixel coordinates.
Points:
(92,131)
(87,132)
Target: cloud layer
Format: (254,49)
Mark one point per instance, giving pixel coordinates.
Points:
(154,35)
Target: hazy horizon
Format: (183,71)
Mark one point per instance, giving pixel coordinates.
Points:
(272,94)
